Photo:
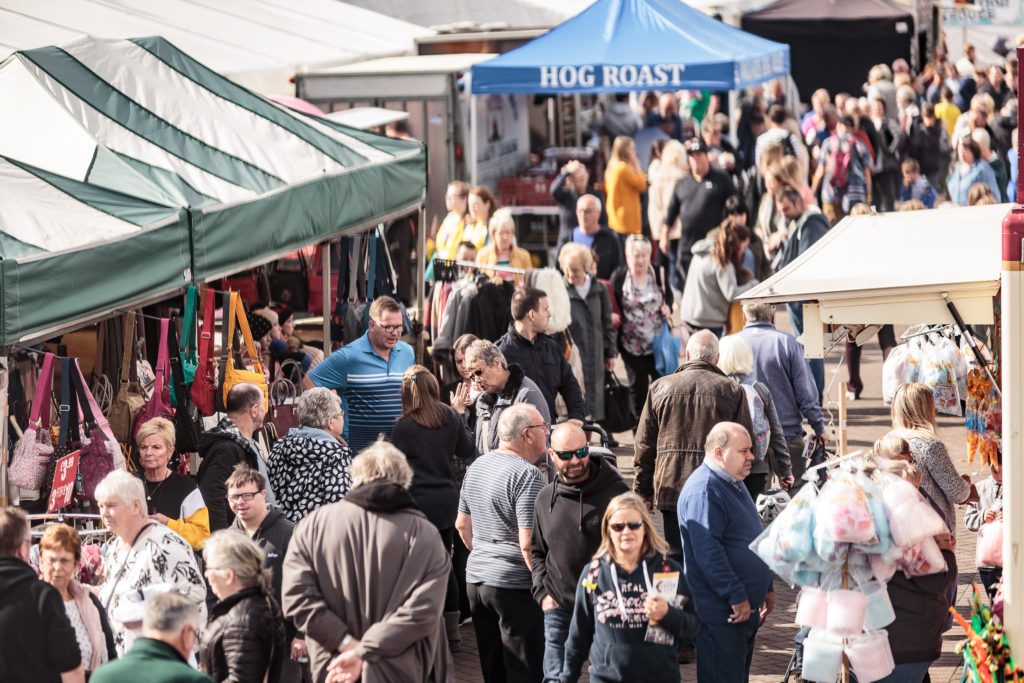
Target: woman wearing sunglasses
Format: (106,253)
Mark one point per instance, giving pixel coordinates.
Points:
(628,610)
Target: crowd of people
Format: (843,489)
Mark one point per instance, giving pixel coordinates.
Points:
(399,508)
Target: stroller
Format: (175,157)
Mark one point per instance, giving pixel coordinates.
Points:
(601,449)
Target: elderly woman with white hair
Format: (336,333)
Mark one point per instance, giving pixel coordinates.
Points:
(309,467)
(736,359)
(142,553)
(366,578)
(645,302)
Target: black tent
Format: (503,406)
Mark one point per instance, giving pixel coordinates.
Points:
(833,43)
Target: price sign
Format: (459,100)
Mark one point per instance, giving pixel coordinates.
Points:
(63,482)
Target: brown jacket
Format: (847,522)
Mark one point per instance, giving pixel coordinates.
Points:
(371,566)
(680,411)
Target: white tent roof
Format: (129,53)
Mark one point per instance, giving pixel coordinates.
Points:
(512,13)
(895,268)
(258,44)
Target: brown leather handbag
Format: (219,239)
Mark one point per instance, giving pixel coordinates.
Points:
(130,399)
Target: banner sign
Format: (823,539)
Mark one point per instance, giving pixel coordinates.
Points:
(983,12)
(64,475)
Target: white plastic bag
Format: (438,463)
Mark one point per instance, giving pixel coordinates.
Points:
(901,367)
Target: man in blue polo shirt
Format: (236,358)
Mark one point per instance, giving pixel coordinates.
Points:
(368,375)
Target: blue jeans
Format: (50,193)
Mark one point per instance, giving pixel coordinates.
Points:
(724,651)
(907,673)
(556,632)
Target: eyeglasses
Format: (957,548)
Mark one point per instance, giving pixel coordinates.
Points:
(476,374)
(544,425)
(247,497)
(579,453)
(619,527)
(390,329)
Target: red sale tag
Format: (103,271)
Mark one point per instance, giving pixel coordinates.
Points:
(63,482)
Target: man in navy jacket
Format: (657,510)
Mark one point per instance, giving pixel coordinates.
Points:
(731,586)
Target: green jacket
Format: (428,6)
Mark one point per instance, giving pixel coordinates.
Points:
(151,660)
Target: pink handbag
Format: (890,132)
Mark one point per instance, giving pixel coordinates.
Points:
(990,544)
(159,404)
(99,453)
(33,450)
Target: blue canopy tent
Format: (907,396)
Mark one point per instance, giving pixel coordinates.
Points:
(628,45)
(624,45)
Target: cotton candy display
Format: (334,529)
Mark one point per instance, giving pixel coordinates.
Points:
(842,512)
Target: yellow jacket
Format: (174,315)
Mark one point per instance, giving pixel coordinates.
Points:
(623,186)
(519,258)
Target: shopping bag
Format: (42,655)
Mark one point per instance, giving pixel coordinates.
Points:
(666,351)
(188,424)
(96,453)
(618,406)
(237,375)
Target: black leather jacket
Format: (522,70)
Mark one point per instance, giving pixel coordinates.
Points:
(244,639)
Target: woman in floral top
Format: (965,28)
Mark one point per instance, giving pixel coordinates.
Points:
(644,303)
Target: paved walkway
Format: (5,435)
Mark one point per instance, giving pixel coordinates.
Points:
(868,420)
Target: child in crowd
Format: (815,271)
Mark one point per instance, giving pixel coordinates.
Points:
(915,185)
(892,447)
(989,508)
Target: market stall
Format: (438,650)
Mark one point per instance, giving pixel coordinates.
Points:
(615,46)
(926,267)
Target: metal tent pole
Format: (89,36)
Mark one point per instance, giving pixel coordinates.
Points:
(472,135)
(325,255)
(5,456)
(421,272)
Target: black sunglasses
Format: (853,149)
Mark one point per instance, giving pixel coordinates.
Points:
(619,527)
(579,453)
(477,373)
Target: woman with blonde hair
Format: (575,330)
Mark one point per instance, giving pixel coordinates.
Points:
(482,206)
(624,182)
(60,553)
(502,250)
(436,444)
(172,499)
(456,200)
(628,611)
(245,637)
(671,170)
(913,418)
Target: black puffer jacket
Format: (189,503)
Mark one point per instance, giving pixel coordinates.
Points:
(221,449)
(244,641)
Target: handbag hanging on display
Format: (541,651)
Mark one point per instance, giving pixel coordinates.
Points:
(33,450)
(186,350)
(96,458)
(67,435)
(159,404)
(238,375)
(188,424)
(130,398)
(204,384)
(282,406)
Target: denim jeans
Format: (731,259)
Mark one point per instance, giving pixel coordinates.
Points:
(724,651)
(913,672)
(556,632)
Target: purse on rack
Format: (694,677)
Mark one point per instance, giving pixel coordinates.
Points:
(186,350)
(130,399)
(33,450)
(237,375)
(282,405)
(96,458)
(188,424)
(204,384)
(159,404)
(67,434)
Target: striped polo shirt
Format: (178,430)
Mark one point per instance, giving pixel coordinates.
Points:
(498,494)
(370,388)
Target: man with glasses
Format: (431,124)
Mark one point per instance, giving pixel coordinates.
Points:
(368,374)
(597,237)
(247,496)
(567,533)
(502,385)
(495,521)
(38,642)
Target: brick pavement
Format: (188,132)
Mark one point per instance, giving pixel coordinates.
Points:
(868,420)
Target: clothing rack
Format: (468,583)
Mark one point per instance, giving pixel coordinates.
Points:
(481,266)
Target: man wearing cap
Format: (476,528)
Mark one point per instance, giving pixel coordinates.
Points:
(698,202)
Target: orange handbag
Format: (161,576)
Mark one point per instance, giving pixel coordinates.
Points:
(233,375)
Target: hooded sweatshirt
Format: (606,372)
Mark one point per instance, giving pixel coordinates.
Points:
(221,449)
(567,530)
(710,288)
(38,642)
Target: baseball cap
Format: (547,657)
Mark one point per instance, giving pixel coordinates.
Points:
(695,144)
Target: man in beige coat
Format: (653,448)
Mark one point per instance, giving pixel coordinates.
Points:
(365,580)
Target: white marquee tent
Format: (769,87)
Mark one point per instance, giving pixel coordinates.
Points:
(260,45)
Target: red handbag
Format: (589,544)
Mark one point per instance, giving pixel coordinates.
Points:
(159,404)
(204,385)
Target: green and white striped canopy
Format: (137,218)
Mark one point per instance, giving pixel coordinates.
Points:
(142,120)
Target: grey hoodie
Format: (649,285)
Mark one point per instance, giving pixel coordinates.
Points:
(709,288)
